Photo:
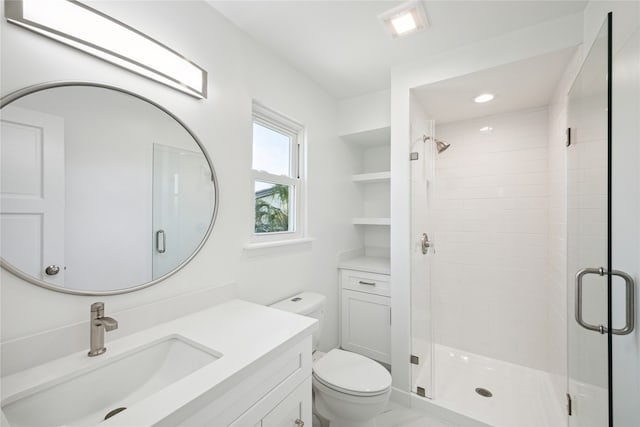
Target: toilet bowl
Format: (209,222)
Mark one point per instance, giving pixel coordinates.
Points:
(350,390)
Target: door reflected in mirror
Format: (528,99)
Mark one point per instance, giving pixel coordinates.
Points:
(102,191)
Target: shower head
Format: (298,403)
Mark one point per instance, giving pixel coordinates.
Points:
(440,145)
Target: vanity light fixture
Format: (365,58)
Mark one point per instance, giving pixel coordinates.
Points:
(485,97)
(405,19)
(84,28)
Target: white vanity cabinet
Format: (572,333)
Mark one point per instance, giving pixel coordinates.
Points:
(366,313)
(277,393)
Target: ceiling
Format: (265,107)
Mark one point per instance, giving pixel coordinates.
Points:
(516,86)
(343,47)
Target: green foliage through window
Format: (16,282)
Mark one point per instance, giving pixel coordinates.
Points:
(272,209)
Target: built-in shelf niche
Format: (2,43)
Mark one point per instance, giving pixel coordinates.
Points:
(373,176)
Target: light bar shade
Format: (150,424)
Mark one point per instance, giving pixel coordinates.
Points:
(77,25)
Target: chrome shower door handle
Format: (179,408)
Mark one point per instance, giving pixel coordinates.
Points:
(630,311)
(578,310)
(630,303)
(425,244)
(161,241)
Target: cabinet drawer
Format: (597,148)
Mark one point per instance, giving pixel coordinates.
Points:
(362,281)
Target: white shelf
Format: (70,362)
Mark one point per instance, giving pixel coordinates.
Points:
(366,263)
(372,177)
(370,138)
(372,221)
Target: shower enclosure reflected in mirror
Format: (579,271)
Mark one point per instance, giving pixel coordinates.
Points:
(102,191)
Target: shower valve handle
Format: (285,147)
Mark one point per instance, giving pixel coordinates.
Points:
(425,244)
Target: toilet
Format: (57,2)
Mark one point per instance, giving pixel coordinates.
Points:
(350,389)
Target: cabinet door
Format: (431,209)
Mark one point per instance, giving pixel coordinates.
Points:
(294,410)
(366,324)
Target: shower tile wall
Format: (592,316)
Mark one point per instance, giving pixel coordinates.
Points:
(490,284)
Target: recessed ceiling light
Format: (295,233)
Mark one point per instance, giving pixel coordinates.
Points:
(403,23)
(407,18)
(486,129)
(485,97)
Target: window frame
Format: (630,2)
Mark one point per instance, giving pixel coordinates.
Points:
(277,122)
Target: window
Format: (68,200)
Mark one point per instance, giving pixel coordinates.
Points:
(277,176)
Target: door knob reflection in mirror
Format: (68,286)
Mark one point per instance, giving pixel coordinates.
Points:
(52,270)
(425,244)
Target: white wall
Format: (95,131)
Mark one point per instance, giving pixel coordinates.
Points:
(240,70)
(362,113)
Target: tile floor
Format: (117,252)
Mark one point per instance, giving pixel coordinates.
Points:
(396,415)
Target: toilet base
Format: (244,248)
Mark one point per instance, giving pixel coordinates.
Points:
(347,411)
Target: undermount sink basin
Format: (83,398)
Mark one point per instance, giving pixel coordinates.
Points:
(87,396)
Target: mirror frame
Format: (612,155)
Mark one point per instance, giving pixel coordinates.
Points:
(11,97)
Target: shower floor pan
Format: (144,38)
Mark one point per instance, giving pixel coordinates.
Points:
(519,396)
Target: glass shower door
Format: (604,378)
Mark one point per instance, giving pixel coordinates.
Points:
(182,202)
(588,240)
(422,173)
(588,246)
(593,319)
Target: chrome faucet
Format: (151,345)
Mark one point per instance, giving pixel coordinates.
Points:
(99,324)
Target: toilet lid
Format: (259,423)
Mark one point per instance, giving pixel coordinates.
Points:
(351,372)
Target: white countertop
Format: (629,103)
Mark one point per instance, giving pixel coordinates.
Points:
(243,332)
(370,264)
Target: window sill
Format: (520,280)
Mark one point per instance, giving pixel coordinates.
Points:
(277,244)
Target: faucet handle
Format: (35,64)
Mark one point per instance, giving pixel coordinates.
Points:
(97,307)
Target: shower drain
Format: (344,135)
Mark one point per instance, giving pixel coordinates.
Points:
(114,412)
(483,392)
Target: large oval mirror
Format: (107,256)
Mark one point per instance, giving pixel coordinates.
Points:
(102,191)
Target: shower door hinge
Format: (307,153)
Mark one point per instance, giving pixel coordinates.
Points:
(568,140)
(569,406)
(415,360)
(414,156)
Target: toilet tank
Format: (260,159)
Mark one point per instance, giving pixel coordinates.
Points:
(308,304)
